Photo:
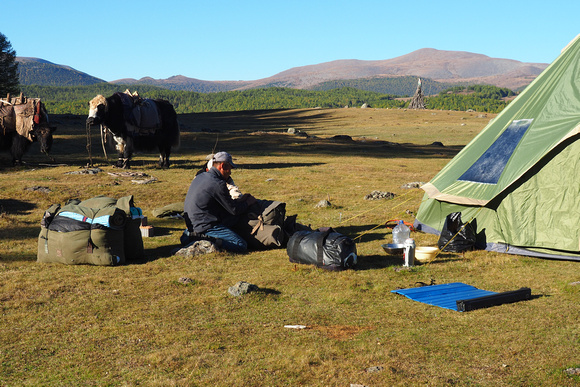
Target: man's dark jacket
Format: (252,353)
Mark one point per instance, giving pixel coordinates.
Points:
(208,203)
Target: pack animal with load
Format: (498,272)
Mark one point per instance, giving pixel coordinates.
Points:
(135,123)
(22,122)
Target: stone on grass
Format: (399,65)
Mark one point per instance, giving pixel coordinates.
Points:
(242,287)
(38,188)
(376,195)
(185,280)
(323,204)
(85,171)
(197,248)
(415,184)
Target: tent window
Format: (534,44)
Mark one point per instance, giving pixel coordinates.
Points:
(489,167)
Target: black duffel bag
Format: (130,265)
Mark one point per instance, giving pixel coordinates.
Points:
(324,248)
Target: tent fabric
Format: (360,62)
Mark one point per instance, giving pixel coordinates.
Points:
(444,295)
(518,178)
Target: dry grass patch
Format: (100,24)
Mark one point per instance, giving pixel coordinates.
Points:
(138,324)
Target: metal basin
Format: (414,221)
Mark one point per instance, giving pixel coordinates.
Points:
(393,248)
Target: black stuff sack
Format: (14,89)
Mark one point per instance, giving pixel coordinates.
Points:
(324,248)
(456,236)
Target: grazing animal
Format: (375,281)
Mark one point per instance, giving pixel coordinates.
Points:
(136,124)
(22,122)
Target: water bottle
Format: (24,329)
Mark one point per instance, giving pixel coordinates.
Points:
(401,233)
(409,253)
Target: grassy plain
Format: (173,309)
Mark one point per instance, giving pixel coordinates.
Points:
(138,325)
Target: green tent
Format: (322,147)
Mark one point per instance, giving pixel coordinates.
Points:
(518,180)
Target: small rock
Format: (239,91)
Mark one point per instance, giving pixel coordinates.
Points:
(291,130)
(376,195)
(572,371)
(415,184)
(323,204)
(85,171)
(145,181)
(242,287)
(375,369)
(128,174)
(197,248)
(185,280)
(39,188)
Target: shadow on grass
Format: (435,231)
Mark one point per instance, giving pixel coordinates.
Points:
(19,233)
(268,291)
(358,232)
(159,252)
(373,262)
(17,257)
(16,207)
(164,231)
(236,133)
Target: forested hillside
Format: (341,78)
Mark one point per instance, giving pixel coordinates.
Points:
(400,86)
(74,99)
(34,71)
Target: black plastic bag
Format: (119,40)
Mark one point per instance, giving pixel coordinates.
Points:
(454,236)
(325,248)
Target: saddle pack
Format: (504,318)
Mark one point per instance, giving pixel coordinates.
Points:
(141,115)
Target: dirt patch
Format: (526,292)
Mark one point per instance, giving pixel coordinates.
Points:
(340,332)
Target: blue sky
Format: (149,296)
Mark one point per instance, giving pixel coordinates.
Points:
(248,40)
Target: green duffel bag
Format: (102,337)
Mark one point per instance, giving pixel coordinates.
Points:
(133,241)
(98,231)
(83,235)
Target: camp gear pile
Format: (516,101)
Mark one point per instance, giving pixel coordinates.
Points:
(262,227)
(99,231)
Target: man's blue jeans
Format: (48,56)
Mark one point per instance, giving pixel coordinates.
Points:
(230,240)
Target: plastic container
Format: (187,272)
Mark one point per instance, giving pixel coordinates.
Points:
(401,233)
(409,252)
(425,253)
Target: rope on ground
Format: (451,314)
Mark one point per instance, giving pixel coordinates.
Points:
(88,127)
(374,208)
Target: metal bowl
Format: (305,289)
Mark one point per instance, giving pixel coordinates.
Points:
(394,248)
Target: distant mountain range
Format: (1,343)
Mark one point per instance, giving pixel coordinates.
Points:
(437,65)
(35,71)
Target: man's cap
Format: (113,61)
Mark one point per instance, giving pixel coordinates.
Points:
(224,157)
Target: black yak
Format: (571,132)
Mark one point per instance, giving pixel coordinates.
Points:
(136,124)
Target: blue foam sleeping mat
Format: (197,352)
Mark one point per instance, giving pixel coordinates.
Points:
(444,295)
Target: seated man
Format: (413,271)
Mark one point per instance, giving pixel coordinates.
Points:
(210,211)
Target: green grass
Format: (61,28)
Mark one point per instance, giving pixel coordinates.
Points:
(137,325)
